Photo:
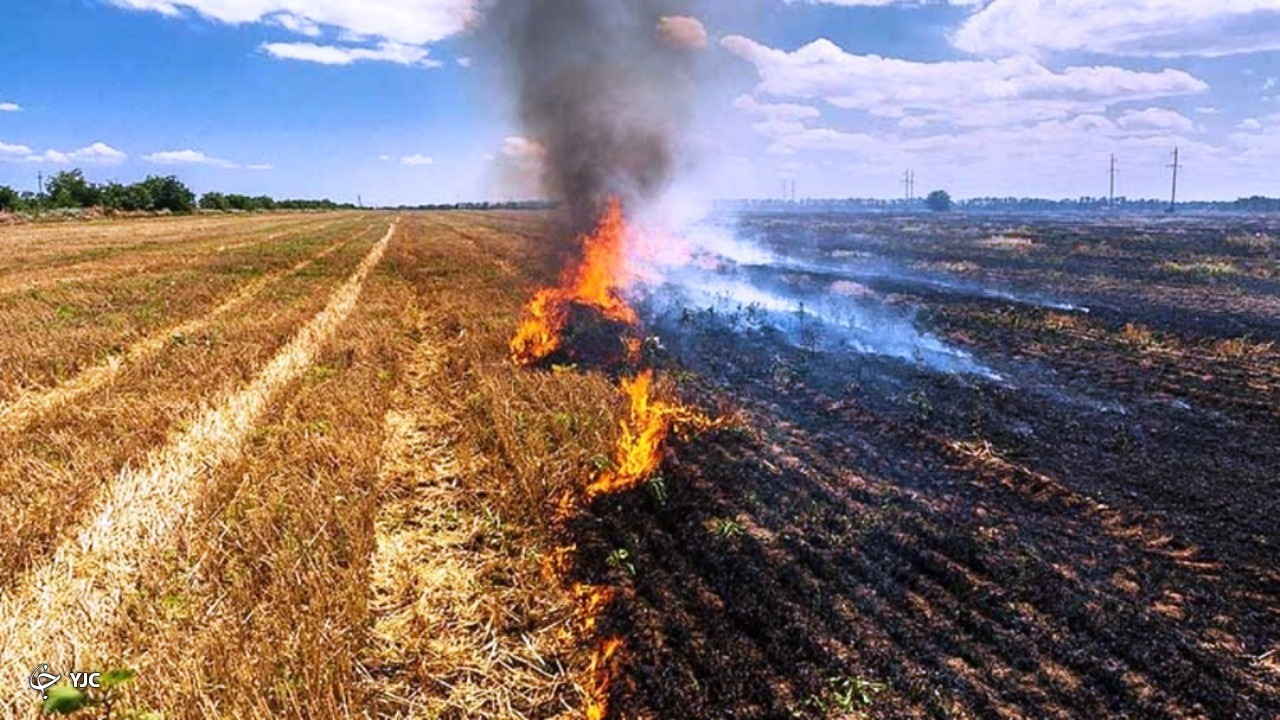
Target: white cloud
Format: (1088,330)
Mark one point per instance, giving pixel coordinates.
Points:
(10,107)
(11,152)
(968,92)
(395,31)
(683,32)
(260,167)
(1156,119)
(96,154)
(412,22)
(775,111)
(522,147)
(465,62)
(1208,111)
(417,160)
(517,169)
(298,24)
(1143,28)
(345,54)
(384,158)
(789,136)
(887,3)
(188,157)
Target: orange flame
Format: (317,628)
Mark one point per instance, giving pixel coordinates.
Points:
(598,696)
(645,428)
(596,281)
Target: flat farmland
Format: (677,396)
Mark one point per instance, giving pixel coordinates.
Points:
(280,466)
(961,467)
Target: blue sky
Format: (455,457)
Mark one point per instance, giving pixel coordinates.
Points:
(395,100)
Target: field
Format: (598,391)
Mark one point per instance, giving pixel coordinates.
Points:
(283,466)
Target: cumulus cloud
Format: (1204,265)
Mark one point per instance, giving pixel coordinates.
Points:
(412,22)
(1143,28)
(186,157)
(517,146)
(1156,119)
(11,152)
(195,157)
(10,107)
(775,111)
(965,92)
(345,54)
(888,3)
(395,31)
(297,24)
(518,166)
(682,31)
(98,153)
(417,160)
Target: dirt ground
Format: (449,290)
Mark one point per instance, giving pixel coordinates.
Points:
(1090,532)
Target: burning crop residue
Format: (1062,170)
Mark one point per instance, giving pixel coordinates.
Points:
(596,282)
(648,423)
(594,286)
(603,87)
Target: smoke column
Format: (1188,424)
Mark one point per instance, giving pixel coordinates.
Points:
(603,90)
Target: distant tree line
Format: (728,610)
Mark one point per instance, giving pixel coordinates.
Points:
(244,203)
(939,202)
(70,189)
(506,205)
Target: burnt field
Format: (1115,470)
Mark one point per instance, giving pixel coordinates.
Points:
(973,466)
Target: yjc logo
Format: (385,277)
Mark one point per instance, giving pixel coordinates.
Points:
(42,679)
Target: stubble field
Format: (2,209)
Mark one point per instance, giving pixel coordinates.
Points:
(282,466)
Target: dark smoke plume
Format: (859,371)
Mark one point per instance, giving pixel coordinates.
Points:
(602,90)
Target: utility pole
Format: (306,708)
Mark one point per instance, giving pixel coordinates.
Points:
(39,192)
(360,201)
(1173,198)
(1111,197)
(909,185)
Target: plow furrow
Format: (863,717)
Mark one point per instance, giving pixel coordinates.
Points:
(62,610)
(18,413)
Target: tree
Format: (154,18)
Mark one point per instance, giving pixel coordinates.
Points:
(69,189)
(9,198)
(168,193)
(938,201)
(131,198)
(214,201)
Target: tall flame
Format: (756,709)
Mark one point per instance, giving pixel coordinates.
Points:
(646,427)
(596,281)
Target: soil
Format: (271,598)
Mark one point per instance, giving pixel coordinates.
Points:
(1091,531)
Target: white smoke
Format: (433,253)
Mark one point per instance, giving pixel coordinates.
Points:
(706,265)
